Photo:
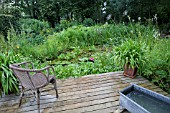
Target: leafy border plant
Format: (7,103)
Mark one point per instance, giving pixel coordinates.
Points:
(8,82)
(132,53)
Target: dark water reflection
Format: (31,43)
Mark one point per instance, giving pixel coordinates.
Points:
(150,103)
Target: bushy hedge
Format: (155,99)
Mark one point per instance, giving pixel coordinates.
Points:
(34,30)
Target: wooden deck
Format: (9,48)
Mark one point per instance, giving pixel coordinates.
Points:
(88,94)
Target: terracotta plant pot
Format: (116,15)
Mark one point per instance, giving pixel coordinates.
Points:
(129,71)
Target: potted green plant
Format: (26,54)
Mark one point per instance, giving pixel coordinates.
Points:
(130,54)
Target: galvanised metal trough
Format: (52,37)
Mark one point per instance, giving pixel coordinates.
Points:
(137,99)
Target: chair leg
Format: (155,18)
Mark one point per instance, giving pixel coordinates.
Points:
(38,100)
(21,95)
(55,87)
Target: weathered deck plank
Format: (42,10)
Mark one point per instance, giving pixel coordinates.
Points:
(92,94)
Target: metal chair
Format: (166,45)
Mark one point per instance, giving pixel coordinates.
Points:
(33,79)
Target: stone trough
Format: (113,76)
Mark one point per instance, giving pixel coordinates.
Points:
(137,99)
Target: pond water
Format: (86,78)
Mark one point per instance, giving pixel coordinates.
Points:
(148,102)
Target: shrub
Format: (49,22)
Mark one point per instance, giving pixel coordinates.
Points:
(34,30)
(64,24)
(2,43)
(88,22)
(9,17)
(33,25)
(157,68)
(8,83)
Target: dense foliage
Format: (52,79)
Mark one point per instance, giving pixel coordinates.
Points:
(70,50)
(34,30)
(8,83)
(157,68)
(79,36)
(9,17)
(100,11)
(82,37)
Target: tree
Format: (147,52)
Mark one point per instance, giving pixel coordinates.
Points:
(9,17)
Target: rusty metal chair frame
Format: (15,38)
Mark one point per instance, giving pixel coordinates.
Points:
(33,79)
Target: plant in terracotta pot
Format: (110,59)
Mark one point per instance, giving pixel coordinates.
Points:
(130,54)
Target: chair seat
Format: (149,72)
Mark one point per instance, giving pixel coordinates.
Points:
(39,80)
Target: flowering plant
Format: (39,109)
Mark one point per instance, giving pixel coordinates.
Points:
(91,59)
